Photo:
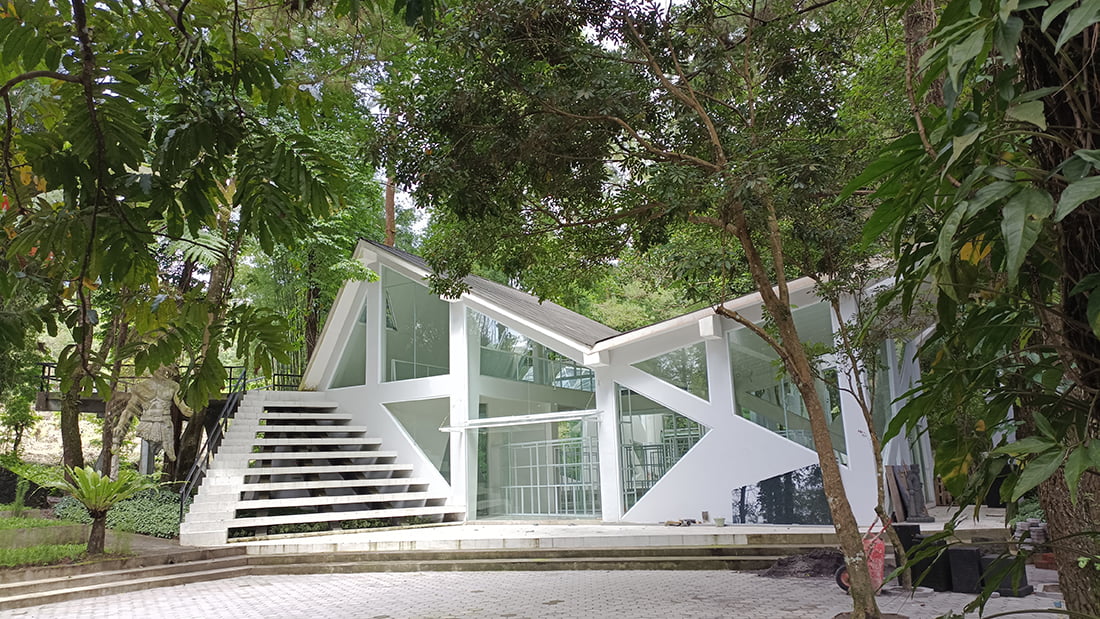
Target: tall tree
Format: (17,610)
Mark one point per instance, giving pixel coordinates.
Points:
(550,135)
(134,142)
(994,198)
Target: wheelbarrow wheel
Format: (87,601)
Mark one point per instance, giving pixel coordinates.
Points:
(842,579)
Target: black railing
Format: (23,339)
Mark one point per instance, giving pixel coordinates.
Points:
(213,439)
(50,382)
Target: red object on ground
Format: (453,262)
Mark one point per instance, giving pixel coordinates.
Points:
(876,560)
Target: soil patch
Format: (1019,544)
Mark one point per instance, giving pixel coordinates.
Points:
(817,562)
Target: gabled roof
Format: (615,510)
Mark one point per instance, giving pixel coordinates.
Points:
(546,314)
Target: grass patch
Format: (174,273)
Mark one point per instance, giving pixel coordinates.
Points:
(45,554)
(29,523)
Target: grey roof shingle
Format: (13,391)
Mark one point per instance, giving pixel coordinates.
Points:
(546,314)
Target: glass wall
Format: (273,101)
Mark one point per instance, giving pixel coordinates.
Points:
(797,497)
(764,394)
(539,470)
(653,438)
(351,371)
(422,420)
(685,368)
(416,330)
(520,376)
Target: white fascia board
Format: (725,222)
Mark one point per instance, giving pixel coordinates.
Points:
(800,289)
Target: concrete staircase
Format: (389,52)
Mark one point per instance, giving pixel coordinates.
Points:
(291,462)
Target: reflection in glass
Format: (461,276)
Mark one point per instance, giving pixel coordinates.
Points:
(416,330)
(653,438)
(685,368)
(422,420)
(797,497)
(539,470)
(520,376)
(767,397)
(351,371)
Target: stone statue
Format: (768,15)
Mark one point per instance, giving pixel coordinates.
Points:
(151,401)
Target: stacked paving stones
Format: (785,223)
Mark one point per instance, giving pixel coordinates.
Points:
(292,458)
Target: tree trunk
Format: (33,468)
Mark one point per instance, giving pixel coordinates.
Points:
(1073,125)
(798,366)
(191,442)
(391,214)
(98,535)
(71,448)
(313,308)
(1073,533)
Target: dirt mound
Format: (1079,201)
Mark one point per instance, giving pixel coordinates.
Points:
(817,562)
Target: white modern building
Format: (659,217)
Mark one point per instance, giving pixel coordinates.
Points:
(500,407)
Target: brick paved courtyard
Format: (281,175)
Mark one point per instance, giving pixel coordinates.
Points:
(438,595)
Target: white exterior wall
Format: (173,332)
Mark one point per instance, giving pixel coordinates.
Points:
(734,452)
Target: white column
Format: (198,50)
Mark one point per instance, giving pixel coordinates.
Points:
(462,490)
(611,492)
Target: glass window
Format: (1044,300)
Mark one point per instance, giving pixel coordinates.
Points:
(416,330)
(653,438)
(764,394)
(685,368)
(797,497)
(539,470)
(422,420)
(520,376)
(351,371)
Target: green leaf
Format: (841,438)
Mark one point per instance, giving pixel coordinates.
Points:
(1055,9)
(1075,194)
(1078,19)
(1030,112)
(1044,426)
(959,54)
(1029,445)
(961,143)
(1022,220)
(947,232)
(1007,37)
(1092,156)
(1076,465)
(1036,472)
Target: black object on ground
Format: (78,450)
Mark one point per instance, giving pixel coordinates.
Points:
(933,572)
(966,569)
(1013,582)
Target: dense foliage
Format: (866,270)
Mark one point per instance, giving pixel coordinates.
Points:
(151,512)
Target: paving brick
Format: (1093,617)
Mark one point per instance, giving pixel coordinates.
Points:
(438,595)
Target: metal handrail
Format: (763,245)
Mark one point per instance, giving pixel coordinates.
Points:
(48,377)
(213,439)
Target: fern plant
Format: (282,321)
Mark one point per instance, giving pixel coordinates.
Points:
(99,493)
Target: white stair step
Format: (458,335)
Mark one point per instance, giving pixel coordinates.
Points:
(304,441)
(347,499)
(269,404)
(321,468)
(401,512)
(267,486)
(306,415)
(312,429)
(318,455)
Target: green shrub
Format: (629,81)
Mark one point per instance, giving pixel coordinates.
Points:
(152,512)
(44,554)
(28,523)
